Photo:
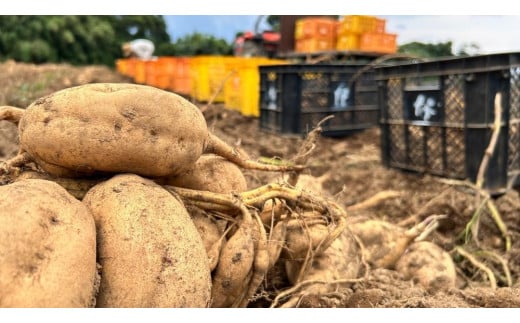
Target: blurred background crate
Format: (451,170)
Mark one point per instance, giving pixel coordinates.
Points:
(355,24)
(294,98)
(315,34)
(437,117)
(243,86)
(380,43)
(207,76)
(181,77)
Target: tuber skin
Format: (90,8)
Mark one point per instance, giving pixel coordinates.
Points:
(117,128)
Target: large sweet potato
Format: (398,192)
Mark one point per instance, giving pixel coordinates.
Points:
(47,247)
(117,128)
(149,249)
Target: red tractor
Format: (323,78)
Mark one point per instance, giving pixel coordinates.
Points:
(255,44)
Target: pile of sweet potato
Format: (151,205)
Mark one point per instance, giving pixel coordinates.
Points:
(121,197)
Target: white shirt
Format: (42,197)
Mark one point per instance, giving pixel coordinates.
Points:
(142,48)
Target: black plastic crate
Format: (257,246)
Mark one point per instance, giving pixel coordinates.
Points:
(437,117)
(294,98)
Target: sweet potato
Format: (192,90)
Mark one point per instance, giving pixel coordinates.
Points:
(47,247)
(210,173)
(149,249)
(304,235)
(233,271)
(117,128)
(385,242)
(342,260)
(210,233)
(428,265)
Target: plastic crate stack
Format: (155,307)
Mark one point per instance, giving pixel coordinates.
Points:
(234,81)
(315,35)
(366,34)
(437,117)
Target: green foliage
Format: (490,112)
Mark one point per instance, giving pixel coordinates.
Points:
(82,39)
(77,40)
(196,44)
(426,50)
(274,22)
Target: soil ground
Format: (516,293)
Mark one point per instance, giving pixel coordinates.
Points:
(349,169)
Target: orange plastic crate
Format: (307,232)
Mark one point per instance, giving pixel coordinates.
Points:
(140,72)
(314,45)
(130,64)
(379,43)
(380,26)
(357,25)
(181,82)
(348,42)
(165,69)
(150,68)
(315,28)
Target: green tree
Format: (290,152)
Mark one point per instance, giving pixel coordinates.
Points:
(77,39)
(274,22)
(427,50)
(200,44)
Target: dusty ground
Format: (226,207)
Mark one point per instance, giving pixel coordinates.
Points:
(349,169)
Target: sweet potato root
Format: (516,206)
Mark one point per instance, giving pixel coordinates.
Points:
(47,247)
(428,265)
(149,249)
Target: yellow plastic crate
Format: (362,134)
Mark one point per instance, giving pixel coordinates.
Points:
(357,25)
(243,87)
(348,42)
(315,28)
(208,75)
(311,45)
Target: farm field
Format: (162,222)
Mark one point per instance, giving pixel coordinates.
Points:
(349,171)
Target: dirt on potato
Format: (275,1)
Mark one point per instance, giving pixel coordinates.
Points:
(350,169)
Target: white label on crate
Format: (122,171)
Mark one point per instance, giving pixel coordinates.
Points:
(271,98)
(424,107)
(341,95)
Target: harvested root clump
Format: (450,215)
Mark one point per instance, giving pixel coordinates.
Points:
(47,247)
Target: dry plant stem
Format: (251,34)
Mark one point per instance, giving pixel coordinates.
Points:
(374,200)
(479,265)
(472,225)
(305,150)
(500,224)
(492,143)
(276,241)
(503,263)
(11,114)
(416,217)
(217,146)
(491,206)
(421,230)
(217,92)
(10,165)
(378,61)
(257,198)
